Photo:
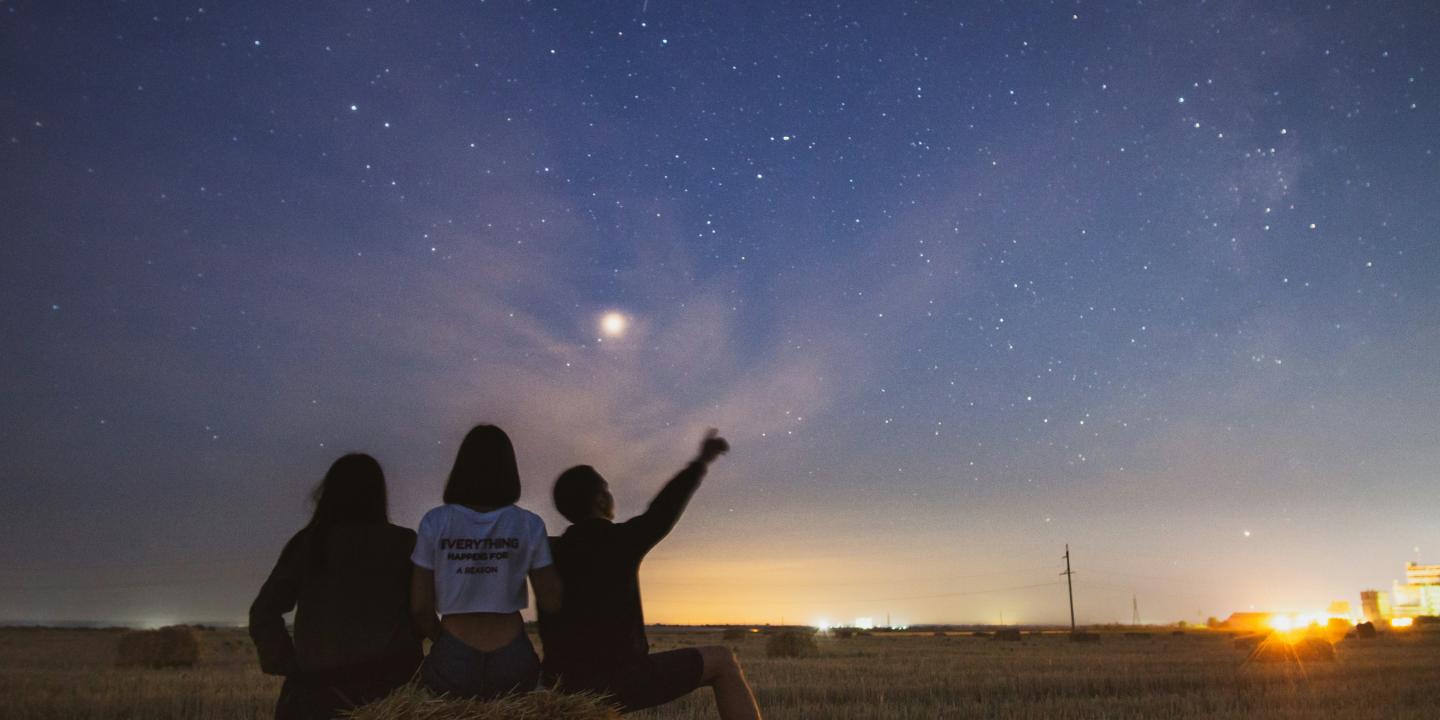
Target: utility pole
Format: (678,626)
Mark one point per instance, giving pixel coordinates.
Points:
(1070,585)
(1134,609)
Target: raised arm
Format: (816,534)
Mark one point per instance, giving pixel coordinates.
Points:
(267,614)
(651,526)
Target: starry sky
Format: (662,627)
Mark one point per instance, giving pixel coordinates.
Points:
(961,282)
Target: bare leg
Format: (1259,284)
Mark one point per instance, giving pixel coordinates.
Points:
(733,696)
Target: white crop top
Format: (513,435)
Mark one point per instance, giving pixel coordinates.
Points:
(480,559)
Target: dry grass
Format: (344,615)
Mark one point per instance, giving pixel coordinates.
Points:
(414,702)
(1278,648)
(64,674)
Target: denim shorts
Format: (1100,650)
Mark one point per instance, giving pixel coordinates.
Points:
(456,669)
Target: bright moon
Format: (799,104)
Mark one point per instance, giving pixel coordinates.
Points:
(613,324)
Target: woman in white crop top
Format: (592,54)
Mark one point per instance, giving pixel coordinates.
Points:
(472,557)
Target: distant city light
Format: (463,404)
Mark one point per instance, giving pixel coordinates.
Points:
(1288,622)
(1402,622)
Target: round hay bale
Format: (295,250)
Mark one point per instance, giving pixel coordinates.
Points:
(1303,650)
(791,644)
(1365,630)
(734,634)
(414,702)
(176,646)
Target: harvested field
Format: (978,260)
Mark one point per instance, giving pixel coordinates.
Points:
(55,674)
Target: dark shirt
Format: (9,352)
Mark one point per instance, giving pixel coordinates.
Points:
(352,610)
(601,624)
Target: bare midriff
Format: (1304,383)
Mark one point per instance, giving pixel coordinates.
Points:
(484,631)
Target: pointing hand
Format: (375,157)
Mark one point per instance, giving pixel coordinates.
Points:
(714,446)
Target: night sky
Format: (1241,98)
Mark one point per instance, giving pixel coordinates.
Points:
(960,282)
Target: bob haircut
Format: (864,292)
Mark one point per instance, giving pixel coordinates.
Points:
(575,492)
(485,472)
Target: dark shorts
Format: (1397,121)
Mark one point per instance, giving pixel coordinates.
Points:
(454,668)
(656,679)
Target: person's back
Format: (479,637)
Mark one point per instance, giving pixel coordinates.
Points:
(356,609)
(480,558)
(604,622)
(346,575)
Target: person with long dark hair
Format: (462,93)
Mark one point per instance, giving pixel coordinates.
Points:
(471,561)
(346,576)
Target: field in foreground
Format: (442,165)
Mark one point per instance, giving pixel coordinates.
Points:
(53,674)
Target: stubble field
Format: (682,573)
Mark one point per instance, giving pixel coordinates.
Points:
(54,674)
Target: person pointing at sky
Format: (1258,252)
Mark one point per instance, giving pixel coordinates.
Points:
(596,642)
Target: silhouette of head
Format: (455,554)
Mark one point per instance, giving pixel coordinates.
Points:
(581,493)
(353,491)
(485,473)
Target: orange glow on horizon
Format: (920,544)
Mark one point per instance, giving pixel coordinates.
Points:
(1294,622)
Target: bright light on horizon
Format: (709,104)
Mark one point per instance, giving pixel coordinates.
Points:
(1287,622)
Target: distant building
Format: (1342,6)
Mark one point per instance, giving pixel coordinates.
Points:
(1339,608)
(1375,605)
(1417,574)
(1420,594)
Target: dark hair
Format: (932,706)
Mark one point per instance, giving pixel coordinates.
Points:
(575,492)
(353,492)
(485,472)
